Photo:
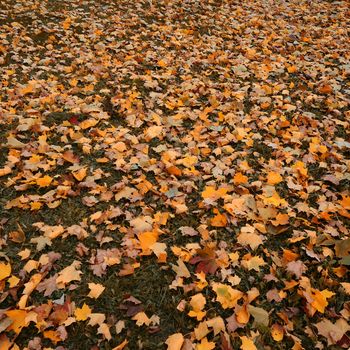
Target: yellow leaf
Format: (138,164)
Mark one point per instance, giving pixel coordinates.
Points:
(88,123)
(181,269)
(5,270)
(226,295)
(299,166)
(104,329)
(247,344)
(281,219)
(201,331)
(197,303)
(175,341)
(205,345)
(141,318)
(277,332)
(162,63)
(81,314)
(69,274)
(320,299)
(217,323)
(252,262)
(13,281)
(95,290)
(44,181)
(35,205)
(214,194)
(24,254)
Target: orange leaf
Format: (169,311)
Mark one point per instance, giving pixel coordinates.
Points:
(5,270)
(95,290)
(243,315)
(273,178)
(80,174)
(5,171)
(70,157)
(175,341)
(54,336)
(19,320)
(247,344)
(277,332)
(239,178)
(121,346)
(226,295)
(44,181)
(147,239)
(320,299)
(173,170)
(219,220)
(82,314)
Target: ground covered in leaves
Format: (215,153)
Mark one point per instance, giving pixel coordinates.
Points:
(174,174)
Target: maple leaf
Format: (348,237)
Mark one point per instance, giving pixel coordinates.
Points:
(320,299)
(206,259)
(44,181)
(153,131)
(70,157)
(69,274)
(82,314)
(205,345)
(175,341)
(104,329)
(217,323)
(247,344)
(219,220)
(96,290)
(197,303)
(333,332)
(239,179)
(274,178)
(226,295)
(251,239)
(5,270)
(181,269)
(18,318)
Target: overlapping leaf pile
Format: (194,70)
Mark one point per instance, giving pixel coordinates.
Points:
(174,174)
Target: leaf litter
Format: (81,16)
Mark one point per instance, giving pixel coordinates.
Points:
(174,175)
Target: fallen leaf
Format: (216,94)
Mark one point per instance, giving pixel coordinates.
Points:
(96,290)
(82,314)
(175,341)
(5,270)
(226,295)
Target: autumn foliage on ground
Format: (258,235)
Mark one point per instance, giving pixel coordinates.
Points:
(174,175)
